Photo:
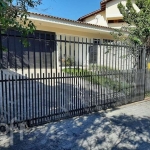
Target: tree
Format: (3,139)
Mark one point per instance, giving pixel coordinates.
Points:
(14,14)
(138,21)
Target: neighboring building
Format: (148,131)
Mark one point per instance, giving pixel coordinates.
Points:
(108,15)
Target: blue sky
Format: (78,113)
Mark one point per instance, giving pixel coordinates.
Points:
(71,9)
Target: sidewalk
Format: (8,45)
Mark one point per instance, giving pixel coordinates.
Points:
(126,128)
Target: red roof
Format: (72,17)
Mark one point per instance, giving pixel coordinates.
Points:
(49,16)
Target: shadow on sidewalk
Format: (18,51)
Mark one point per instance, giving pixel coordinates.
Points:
(94,131)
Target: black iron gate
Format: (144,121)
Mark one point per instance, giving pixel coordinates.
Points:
(55,77)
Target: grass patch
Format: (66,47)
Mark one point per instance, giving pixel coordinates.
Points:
(147,94)
(105,81)
(102,68)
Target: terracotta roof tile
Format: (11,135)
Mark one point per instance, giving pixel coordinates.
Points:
(90,14)
(49,16)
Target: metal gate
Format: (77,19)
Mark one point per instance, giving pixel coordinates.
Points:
(55,77)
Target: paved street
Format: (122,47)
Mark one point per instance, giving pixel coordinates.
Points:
(126,128)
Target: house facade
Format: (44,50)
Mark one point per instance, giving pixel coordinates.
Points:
(58,38)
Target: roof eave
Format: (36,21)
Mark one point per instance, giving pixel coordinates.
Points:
(66,22)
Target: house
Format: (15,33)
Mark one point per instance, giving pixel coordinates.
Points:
(58,38)
(34,84)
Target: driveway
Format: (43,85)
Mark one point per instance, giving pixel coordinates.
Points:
(126,128)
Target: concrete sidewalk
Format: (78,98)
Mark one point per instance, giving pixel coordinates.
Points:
(126,128)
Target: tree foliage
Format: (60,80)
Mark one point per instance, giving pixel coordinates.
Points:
(14,14)
(139,21)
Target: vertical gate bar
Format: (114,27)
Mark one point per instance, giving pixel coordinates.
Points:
(107,77)
(22,82)
(117,73)
(46,98)
(43,95)
(17,99)
(112,62)
(114,68)
(72,96)
(85,73)
(96,73)
(91,78)
(8,67)
(110,72)
(58,98)
(5,104)
(61,90)
(70,85)
(78,93)
(81,79)
(23,107)
(56,95)
(2,86)
(145,73)
(74,76)
(15,56)
(33,102)
(51,74)
(132,79)
(49,99)
(38,86)
(35,89)
(116,65)
(89,75)
(10,100)
(20,98)
(129,82)
(26,89)
(65,97)
(104,76)
(100,77)
(86,53)
(13,99)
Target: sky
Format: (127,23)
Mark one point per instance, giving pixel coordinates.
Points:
(70,9)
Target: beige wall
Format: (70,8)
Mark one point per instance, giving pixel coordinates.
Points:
(117,25)
(114,57)
(111,13)
(98,19)
(74,32)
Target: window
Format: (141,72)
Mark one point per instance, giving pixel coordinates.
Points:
(116,21)
(96,41)
(93,54)
(108,41)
